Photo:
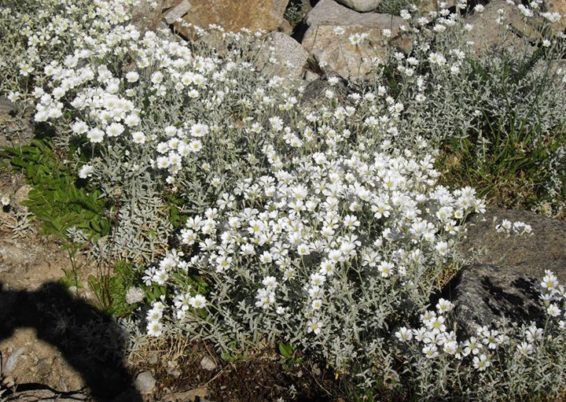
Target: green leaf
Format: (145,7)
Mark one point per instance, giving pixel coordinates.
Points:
(286,350)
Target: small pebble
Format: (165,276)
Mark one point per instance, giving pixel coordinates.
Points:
(207,363)
(145,382)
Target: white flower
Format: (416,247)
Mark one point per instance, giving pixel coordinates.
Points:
(276,123)
(199,130)
(86,171)
(95,135)
(270,282)
(163,162)
(132,120)
(339,31)
(385,268)
(138,137)
(303,249)
(314,326)
(472,346)
(157,77)
(195,146)
(552,17)
(444,306)
(451,347)
(198,301)
(316,304)
(481,362)
(357,38)
(134,295)
(525,348)
(114,130)
(442,248)
(437,58)
(154,328)
(333,81)
(5,200)
(430,351)
(132,77)
(533,334)
(549,281)
(79,127)
(265,298)
(525,11)
(553,310)
(404,334)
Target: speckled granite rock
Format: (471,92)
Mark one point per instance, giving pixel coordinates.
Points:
(484,294)
(504,274)
(528,255)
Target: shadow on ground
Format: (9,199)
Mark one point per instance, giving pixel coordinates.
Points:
(89,340)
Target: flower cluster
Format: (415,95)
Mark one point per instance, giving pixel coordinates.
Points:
(515,228)
(488,345)
(324,224)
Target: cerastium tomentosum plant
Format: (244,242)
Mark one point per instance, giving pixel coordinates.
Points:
(324,227)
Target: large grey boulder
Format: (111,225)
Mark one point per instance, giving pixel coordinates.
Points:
(15,127)
(266,15)
(348,43)
(505,271)
(289,56)
(501,26)
(557,6)
(361,5)
(528,255)
(314,95)
(485,294)
(329,12)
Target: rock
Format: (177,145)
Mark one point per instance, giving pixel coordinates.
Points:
(310,76)
(314,93)
(361,5)
(503,277)
(285,27)
(207,363)
(528,255)
(177,12)
(289,55)
(197,394)
(8,382)
(483,294)
(153,357)
(426,6)
(328,12)
(145,382)
(495,29)
(332,33)
(6,106)
(12,361)
(557,6)
(146,17)
(337,53)
(168,4)
(22,194)
(15,128)
(14,258)
(233,16)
